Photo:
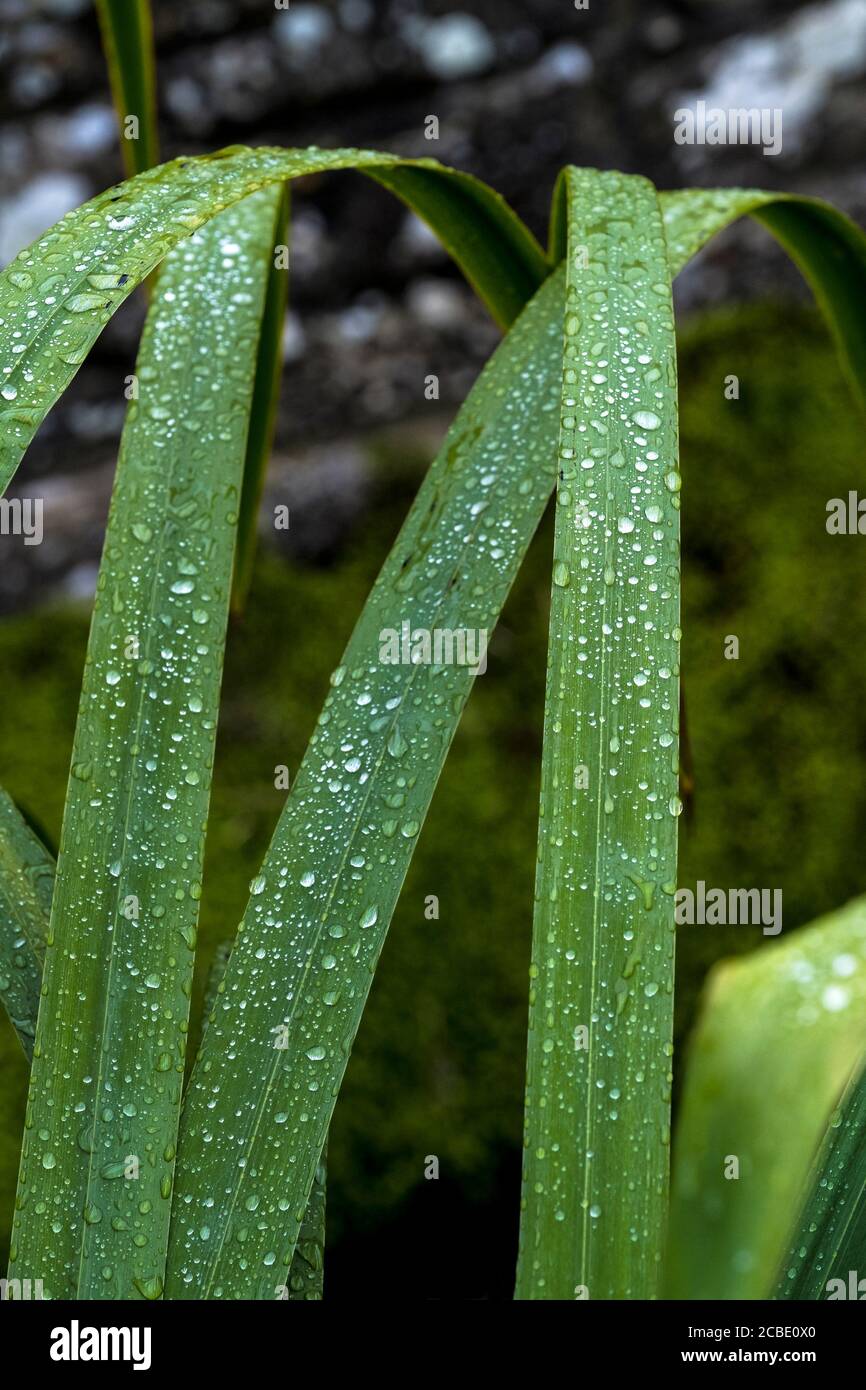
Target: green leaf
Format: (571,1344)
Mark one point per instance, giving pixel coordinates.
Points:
(600,1022)
(830,1237)
(826,245)
(292,997)
(776,1041)
(127,37)
(263,414)
(495,250)
(105,1088)
(26,886)
(128,42)
(58,294)
(831,252)
(501,260)
(27,872)
(214,980)
(307,1274)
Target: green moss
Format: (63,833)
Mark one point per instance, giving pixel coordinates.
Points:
(776,735)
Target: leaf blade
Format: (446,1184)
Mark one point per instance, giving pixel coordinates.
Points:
(127,37)
(827,247)
(829,1239)
(767,1062)
(65,287)
(125,903)
(600,1025)
(500,257)
(318,912)
(264,408)
(26,887)
(307,1274)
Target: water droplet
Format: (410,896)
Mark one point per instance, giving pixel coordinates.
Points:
(150,1288)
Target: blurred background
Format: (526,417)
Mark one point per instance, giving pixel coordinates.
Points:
(519,87)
